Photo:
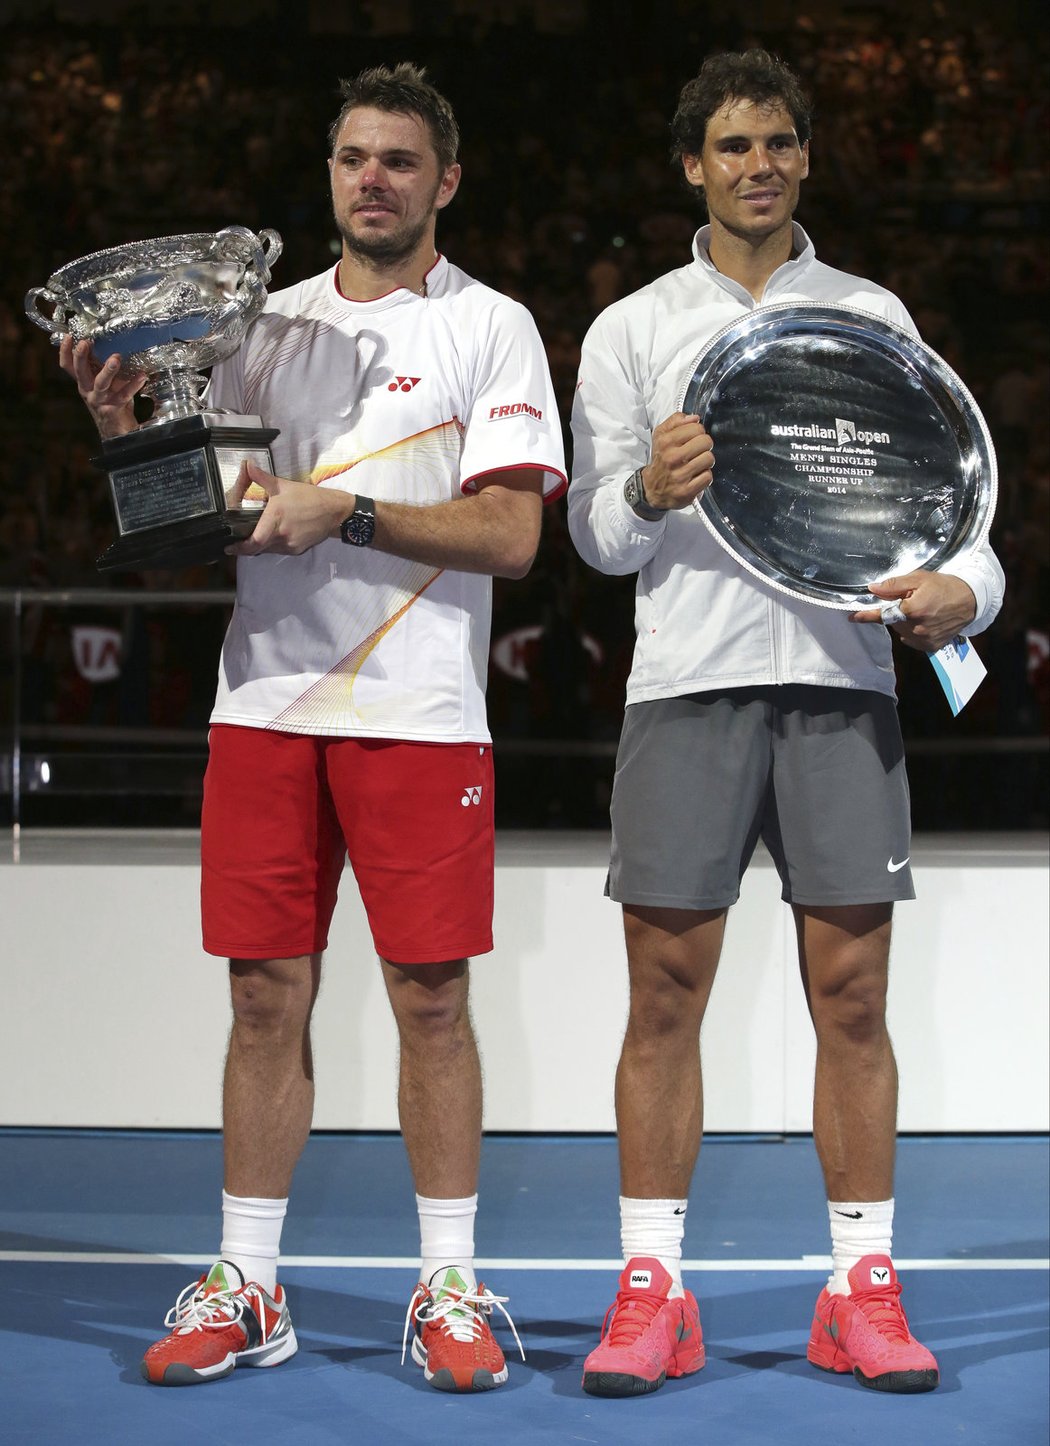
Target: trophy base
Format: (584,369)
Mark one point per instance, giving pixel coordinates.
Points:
(186,544)
(168,486)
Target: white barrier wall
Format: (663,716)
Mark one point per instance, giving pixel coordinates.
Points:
(113,1016)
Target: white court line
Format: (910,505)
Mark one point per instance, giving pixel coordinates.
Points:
(812,1263)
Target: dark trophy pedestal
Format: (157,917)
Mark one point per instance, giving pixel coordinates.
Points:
(168,484)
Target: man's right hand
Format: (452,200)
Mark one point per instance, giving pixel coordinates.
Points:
(109,399)
(682,462)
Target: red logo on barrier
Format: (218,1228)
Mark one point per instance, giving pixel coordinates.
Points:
(97,653)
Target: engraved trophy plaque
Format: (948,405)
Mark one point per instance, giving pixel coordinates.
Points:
(170,307)
(846,451)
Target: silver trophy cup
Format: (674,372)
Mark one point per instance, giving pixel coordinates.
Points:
(170,307)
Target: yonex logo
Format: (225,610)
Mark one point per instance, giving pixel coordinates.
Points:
(471,795)
(879,1275)
(402,384)
(641,1279)
(497,414)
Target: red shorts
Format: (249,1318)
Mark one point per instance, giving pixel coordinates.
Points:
(283,810)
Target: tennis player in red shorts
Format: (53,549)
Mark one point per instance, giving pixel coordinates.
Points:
(418,438)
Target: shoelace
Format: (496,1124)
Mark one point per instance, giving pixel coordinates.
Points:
(462,1316)
(194,1311)
(630,1316)
(883,1309)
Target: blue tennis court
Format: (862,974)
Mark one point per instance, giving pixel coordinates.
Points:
(100,1231)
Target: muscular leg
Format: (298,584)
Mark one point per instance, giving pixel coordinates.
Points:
(844,958)
(858,1323)
(439,1089)
(652,1330)
(672,955)
(268,1089)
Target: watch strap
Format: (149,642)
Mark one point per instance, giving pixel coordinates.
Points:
(638,502)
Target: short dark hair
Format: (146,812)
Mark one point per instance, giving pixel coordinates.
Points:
(752,75)
(402,90)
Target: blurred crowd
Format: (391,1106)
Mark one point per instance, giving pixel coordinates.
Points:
(929,173)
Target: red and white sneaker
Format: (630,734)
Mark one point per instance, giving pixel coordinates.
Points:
(453,1341)
(867,1332)
(219,1322)
(646,1336)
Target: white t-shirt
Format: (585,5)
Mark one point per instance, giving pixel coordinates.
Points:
(404,398)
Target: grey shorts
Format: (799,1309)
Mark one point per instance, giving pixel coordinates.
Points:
(816,773)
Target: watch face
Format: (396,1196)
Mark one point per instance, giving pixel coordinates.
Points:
(632,491)
(359,529)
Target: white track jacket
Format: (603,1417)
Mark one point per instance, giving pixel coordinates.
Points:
(702,620)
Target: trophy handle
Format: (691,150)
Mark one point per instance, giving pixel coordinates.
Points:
(272,247)
(55,321)
(262,249)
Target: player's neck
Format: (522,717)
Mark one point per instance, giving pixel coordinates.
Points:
(363,279)
(749,260)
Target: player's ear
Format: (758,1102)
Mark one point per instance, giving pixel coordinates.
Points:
(448,187)
(694,171)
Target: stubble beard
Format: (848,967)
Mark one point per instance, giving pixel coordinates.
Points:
(754,235)
(392,247)
(386,249)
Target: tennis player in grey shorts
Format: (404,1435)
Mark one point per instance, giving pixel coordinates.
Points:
(750,714)
(816,773)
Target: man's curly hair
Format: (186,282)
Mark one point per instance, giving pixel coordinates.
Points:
(752,75)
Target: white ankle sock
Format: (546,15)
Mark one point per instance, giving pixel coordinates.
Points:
(446,1236)
(858,1228)
(654,1228)
(251,1236)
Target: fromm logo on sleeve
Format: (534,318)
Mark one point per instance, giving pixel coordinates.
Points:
(515,409)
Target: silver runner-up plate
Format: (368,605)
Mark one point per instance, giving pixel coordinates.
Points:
(846,451)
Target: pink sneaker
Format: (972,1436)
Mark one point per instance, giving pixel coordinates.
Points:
(866,1332)
(646,1337)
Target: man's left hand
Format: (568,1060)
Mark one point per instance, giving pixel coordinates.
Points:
(297,515)
(935,607)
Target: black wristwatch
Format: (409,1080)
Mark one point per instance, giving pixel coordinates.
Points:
(634,495)
(360,527)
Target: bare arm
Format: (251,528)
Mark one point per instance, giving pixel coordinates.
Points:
(495,531)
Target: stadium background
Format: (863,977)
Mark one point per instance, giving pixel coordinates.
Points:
(929,174)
